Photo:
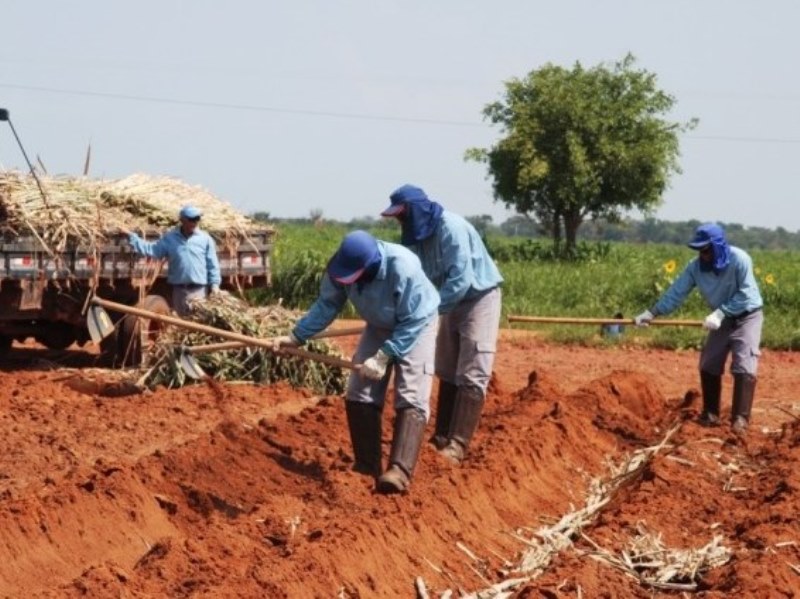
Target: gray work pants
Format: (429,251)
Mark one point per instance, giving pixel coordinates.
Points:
(467,341)
(413,373)
(741,338)
(182,294)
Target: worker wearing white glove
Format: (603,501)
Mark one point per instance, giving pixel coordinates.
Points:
(724,276)
(643,320)
(389,290)
(714,320)
(374,368)
(289,340)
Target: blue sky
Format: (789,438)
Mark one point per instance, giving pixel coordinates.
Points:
(289,107)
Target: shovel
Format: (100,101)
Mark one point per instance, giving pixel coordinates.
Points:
(99,323)
(595,321)
(193,370)
(100,331)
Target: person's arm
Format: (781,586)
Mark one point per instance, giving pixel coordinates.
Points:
(151,249)
(331,300)
(457,262)
(212,265)
(676,294)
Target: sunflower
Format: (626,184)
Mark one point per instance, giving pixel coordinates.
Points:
(670,266)
(769,279)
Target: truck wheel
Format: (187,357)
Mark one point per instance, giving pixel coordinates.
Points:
(134,335)
(57,335)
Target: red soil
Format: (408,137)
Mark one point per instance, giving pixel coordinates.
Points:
(239,491)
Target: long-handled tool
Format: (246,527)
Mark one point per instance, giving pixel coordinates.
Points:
(596,321)
(193,369)
(98,323)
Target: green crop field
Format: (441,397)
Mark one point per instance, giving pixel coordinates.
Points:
(609,278)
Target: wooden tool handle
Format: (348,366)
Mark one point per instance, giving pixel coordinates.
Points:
(597,321)
(230,335)
(225,345)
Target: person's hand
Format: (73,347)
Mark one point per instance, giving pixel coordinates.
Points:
(289,340)
(124,231)
(643,320)
(714,320)
(374,368)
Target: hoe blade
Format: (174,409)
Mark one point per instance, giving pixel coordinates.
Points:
(190,366)
(99,323)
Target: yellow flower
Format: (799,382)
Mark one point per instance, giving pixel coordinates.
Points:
(769,279)
(670,266)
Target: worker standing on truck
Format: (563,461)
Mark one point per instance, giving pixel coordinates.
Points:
(724,276)
(191,259)
(386,285)
(455,259)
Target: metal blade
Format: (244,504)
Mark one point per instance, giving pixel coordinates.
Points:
(190,366)
(99,323)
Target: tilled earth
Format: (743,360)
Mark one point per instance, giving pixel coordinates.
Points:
(242,491)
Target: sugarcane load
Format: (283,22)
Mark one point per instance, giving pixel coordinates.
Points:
(63,239)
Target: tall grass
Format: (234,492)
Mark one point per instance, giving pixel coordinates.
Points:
(600,281)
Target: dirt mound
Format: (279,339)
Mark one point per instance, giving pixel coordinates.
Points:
(243,491)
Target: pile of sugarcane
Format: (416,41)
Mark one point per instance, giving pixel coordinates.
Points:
(84,211)
(254,364)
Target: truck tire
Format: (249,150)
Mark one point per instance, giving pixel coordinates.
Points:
(5,344)
(134,335)
(57,335)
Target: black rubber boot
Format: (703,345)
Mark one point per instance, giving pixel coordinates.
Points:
(409,426)
(712,388)
(364,422)
(466,415)
(444,413)
(744,388)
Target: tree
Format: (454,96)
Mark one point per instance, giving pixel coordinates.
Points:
(581,144)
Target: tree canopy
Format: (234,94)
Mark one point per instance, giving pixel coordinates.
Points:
(582,143)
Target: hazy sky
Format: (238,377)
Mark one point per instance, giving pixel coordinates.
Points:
(288,107)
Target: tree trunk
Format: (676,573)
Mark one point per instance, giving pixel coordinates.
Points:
(572,220)
(555,228)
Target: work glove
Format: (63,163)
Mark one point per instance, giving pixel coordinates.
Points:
(714,320)
(374,368)
(643,320)
(289,340)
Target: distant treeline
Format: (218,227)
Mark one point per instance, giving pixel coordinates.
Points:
(649,230)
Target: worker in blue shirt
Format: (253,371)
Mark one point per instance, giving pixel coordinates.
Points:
(455,259)
(386,285)
(192,262)
(724,276)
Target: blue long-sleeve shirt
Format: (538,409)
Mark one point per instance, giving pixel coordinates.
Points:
(456,261)
(734,290)
(400,298)
(190,259)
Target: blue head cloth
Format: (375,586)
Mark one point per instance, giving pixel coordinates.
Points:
(190,212)
(712,234)
(418,214)
(357,252)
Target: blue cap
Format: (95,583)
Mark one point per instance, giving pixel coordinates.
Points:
(190,212)
(357,251)
(706,235)
(401,195)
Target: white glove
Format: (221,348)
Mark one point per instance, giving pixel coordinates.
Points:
(375,367)
(643,320)
(289,340)
(714,320)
